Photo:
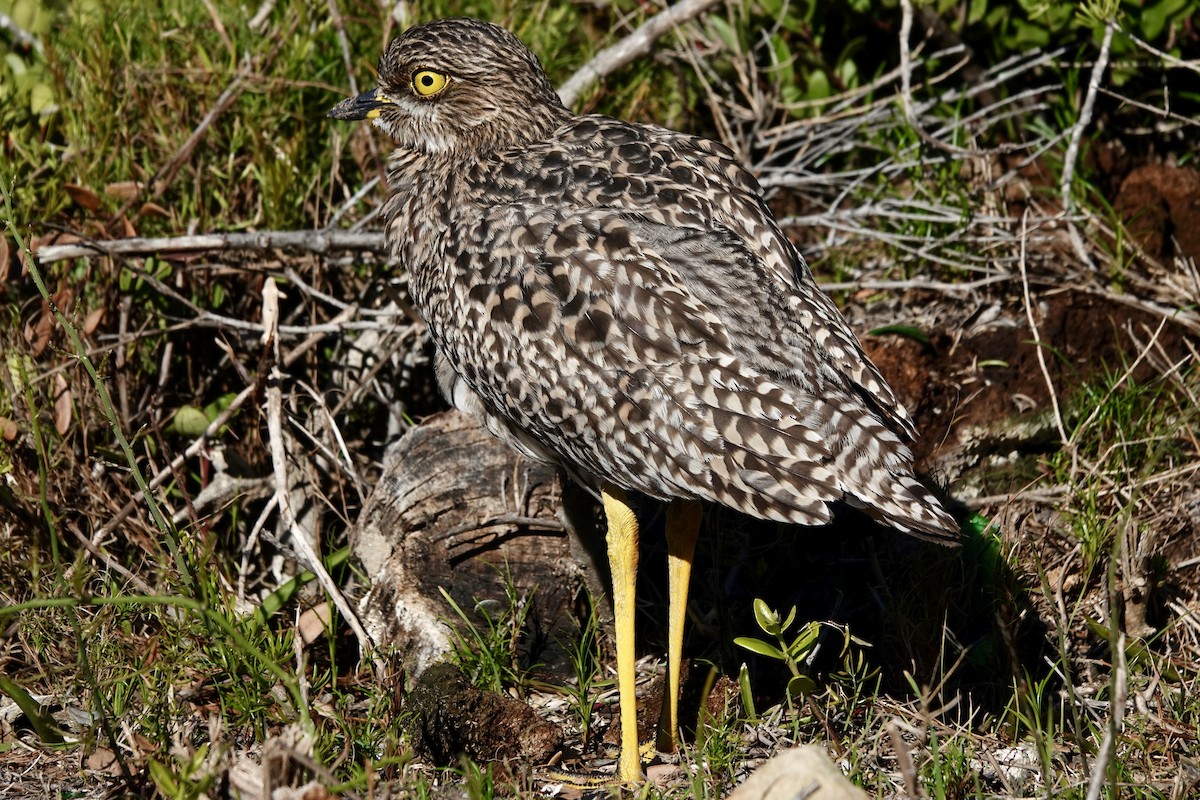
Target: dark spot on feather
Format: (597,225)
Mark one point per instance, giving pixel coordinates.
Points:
(683,174)
(594,327)
(586,128)
(538,318)
(574,306)
(479,293)
(617,240)
(506,309)
(561,285)
(584,173)
(631,413)
(620,135)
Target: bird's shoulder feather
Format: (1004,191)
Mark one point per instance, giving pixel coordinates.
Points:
(687,199)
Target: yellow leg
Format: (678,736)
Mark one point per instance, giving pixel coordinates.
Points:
(622,561)
(683,528)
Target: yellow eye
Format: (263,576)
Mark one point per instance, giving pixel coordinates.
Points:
(427,83)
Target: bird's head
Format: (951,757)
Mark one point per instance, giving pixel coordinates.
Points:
(458,85)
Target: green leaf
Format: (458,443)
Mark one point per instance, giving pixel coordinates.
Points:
(760,647)
(909,331)
(792,94)
(1156,17)
(803,644)
(189,421)
(818,85)
(1028,36)
(15,64)
(800,686)
(766,617)
(787,623)
(281,596)
(772,8)
(165,779)
(783,62)
(747,695)
(721,29)
(43,724)
(41,100)
(847,72)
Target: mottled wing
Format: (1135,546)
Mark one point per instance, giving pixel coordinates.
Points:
(607,351)
(803,331)
(689,183)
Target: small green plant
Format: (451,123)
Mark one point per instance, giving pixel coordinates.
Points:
(185,777)
(718,747)
(479,783)
(584,652)
(796,653)
(747,695)
(489,654)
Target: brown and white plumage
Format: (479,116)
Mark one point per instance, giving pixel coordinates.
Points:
(619,299)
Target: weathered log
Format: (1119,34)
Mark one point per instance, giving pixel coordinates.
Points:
(458,510)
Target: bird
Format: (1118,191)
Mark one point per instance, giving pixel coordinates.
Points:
(618,299)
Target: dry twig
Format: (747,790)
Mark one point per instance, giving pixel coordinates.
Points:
(319,241)
(633,46)
(1039,346)
(302,539)
(1085,119)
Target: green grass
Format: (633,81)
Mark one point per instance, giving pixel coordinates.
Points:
(487,643)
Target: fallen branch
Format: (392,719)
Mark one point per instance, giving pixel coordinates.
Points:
(1072,155)
(633,46)
(322,241)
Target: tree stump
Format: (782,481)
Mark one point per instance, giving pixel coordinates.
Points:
(456,509)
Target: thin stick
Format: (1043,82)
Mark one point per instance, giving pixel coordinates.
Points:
(322,241)
(302,538)
(906,101)
(259,21)
(633,46)
(1193,64)
(1072,155)
(1038,344)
